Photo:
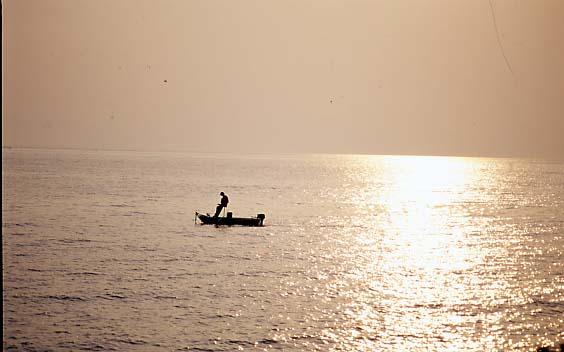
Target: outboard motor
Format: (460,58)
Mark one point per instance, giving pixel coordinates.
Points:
(261,218)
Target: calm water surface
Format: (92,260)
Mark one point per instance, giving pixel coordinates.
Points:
(359,253)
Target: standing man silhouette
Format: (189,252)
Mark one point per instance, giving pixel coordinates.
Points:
(223,204)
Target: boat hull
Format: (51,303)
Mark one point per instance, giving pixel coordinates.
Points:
(230,221)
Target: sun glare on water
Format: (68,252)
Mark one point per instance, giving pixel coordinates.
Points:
(419,275)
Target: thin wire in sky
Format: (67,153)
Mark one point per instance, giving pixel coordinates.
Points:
(499,42)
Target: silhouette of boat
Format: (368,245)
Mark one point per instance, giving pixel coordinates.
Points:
(229,220)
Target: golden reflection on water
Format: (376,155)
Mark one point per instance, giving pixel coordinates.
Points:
(421,207)
(423,285)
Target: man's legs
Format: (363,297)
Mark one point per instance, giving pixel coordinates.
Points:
(218,211)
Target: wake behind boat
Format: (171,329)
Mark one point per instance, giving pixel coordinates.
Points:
(229,220)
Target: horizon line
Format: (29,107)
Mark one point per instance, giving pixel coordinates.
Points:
(90,149)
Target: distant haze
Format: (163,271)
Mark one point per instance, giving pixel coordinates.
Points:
(433,77)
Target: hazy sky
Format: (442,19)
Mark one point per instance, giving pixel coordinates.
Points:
(431,77)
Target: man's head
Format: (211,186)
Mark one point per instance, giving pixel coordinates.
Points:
(221,193)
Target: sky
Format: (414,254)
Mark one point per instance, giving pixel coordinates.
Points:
(417,77)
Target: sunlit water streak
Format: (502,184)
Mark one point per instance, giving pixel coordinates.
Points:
(359,253)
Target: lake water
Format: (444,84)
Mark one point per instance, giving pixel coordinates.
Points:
(359,253)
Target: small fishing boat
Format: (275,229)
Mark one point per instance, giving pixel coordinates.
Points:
(229,220)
